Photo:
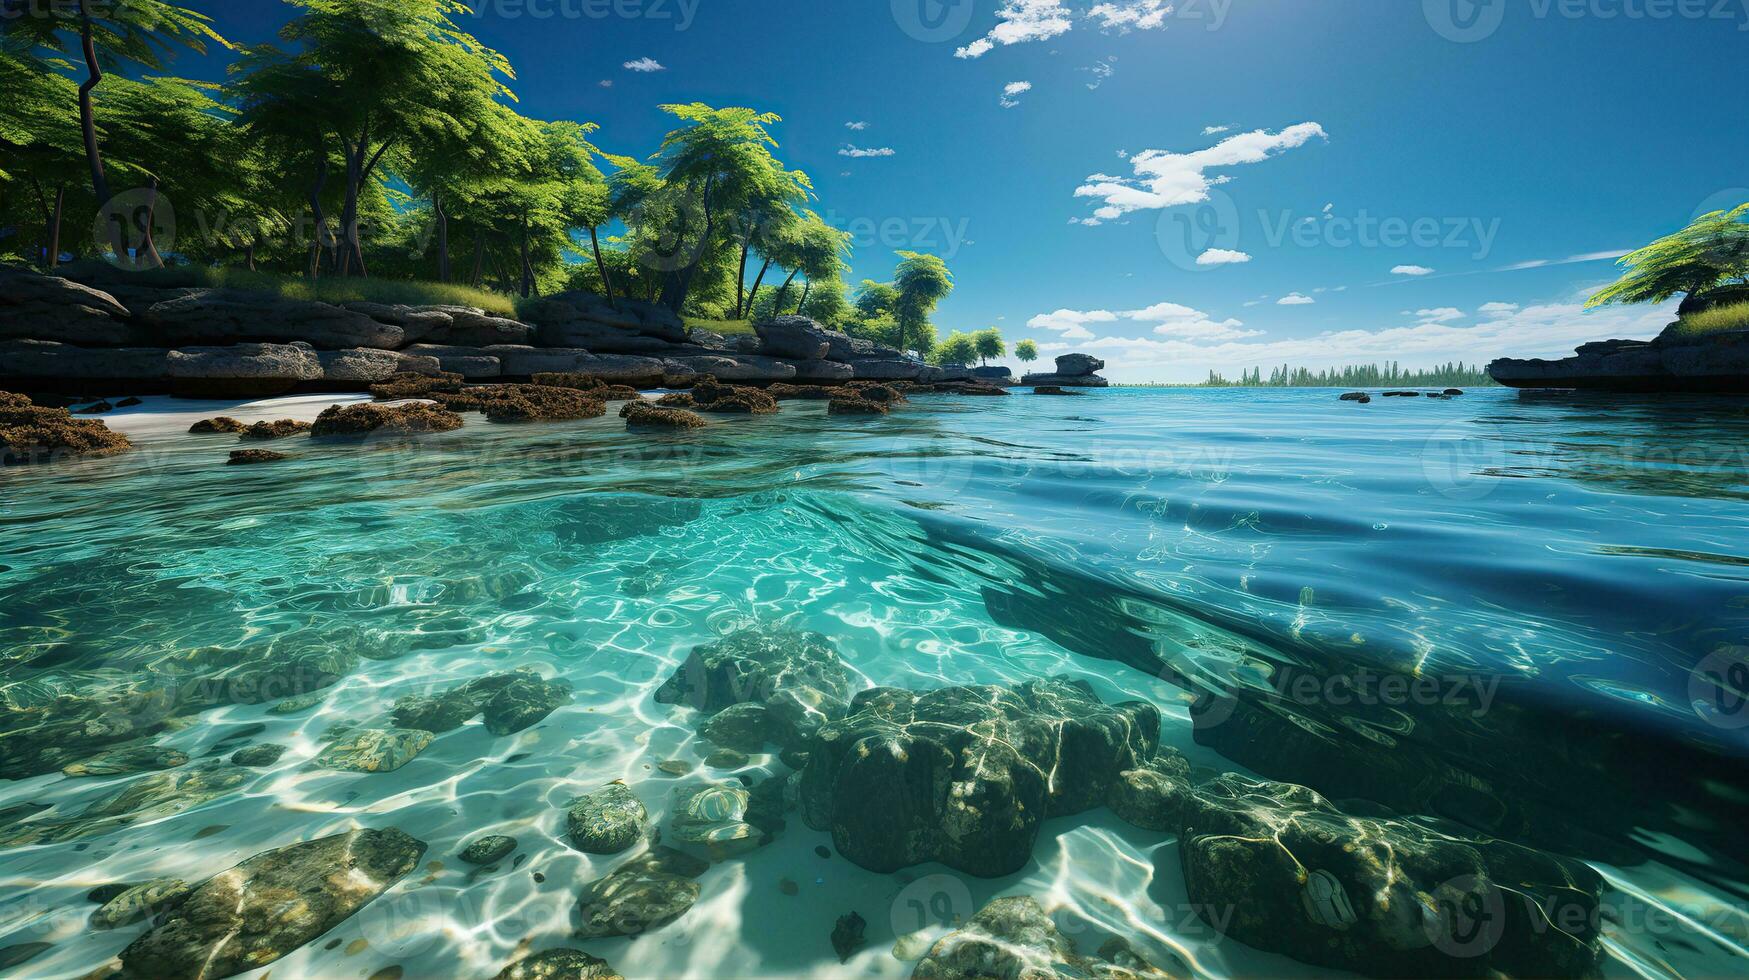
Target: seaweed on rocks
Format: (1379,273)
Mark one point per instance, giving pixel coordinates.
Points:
(249,457)
(595,386)
(856,406)
(643,894)
(223,423)
(796,676)
(1014,937)
(607,821)
(408,385)
(281,429)
(32,434)
(361,421)
(642,415)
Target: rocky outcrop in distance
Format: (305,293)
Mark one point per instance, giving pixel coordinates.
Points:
(1073,371)
(1673,362)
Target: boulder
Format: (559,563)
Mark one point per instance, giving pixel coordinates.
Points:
(228,316)
(844,347)
(888,369)
(140,298)
(716,818)
(856,406)
(510,702)
(1382,896)
(1064,381)
(381,421)
(645,893)
(643,415)
(477,328)
(1078,365)
(489,849)
(472,363)
(374,750)
(1672,363)
(125,761)
(794,337)
(993,375)
(271,904)
(219,424)
(417,385)
(243,370)
(965,775)
(280,429)
(1014,937)
(141,902)
(797,676)
(46,360)
(580,319)
(417,323)
(607,821)
(33,305)
(733,367)
(823,372)
(364,365)
(1054,390)
(258,756)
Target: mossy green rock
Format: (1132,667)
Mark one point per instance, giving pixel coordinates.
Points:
(374,750)
(607,821)
(271,904)
(257,756)
(131,759)
(140,902)
(559,964)
(1014,937)
(488,850)
(797,676)
(965,775)
(645,893)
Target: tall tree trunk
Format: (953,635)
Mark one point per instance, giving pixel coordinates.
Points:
(321,218)
(527,269)
(148,250)
(783,290)
(748,315)
(249,255)
(88,125)
(601,267)
(807,287)
(442,237)
(55,227)
(682,283)
(741,278)
(479,258)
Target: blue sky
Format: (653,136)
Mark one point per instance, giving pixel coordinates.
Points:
(1419,181)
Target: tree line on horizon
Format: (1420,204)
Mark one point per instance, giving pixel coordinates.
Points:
(377,138)
(1389,374)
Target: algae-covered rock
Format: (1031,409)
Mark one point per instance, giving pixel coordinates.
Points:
(135,758)
(796,675)
(847,935)
(222,423)
(32,434)
(140,902)
(271,904)
(1014,937)
(1152,797)
(489,849)
(965,775)
(1384,897)
(714,817)
(510,703)
(559,964)
(743,727)
(642,415)
(380,421)
(257,756)
(643,894)
(374,750)
(281,429)
(607,821)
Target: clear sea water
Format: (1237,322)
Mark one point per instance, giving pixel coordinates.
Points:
(1573,573)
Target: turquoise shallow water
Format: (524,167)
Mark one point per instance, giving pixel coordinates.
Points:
(1569,576)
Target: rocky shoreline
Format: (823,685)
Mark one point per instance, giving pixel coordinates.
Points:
(1672,362)
(57,335)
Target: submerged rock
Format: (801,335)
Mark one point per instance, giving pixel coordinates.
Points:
(643,894)
(559,964)
(489,850)
(856,406)
(715,817)
(223,423)
(607,821)
(742,727)
(258,756)
(796,675)
(374,750)
(965,775)
(250,457)
(847,935)
(1055,390)
(415,385)
(1381,896)
(160,794)
(271,904)
(138,758)
(360,421)
(1014,937)
(140,902)
(510,702)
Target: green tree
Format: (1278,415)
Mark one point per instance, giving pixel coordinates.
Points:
(816,251)
(138,32)
(988,343)
(1026,351)
(957,349)
(1712,251)
(375,74)
(922,282)
(42,148)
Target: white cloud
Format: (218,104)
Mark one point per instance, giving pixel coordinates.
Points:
(1444,314)
(606,83)
(1215,130)
(1411,270)
(1072,324)
(1295,299)
(1011,90)
(645,65)
(1101,70)
(1020,21)
(858,126)
(1614,253)
(1167,320)
(856,151)
(1491,309)
(1222,256)
(1131,15)
(1164,179)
